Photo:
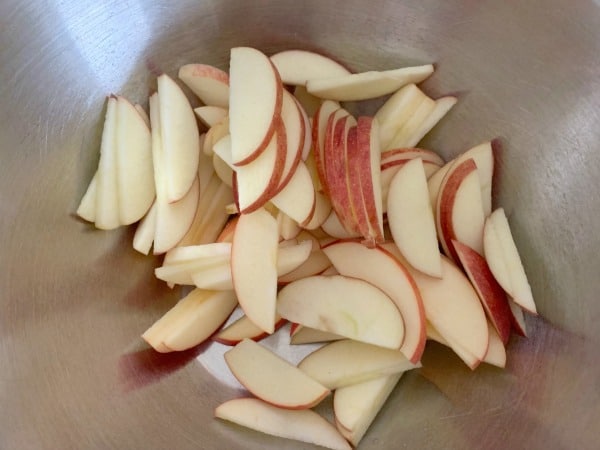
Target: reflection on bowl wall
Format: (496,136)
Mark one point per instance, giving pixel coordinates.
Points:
(74,300)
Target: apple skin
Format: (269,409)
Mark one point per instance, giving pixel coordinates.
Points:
(210,84)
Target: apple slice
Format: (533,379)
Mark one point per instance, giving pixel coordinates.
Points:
(389,171)
(491,294)
(191,321)
(504,261)
(255,101)
(223,170)
(273,379)
(404,154)
(307,140)
(319,131)
(288,227)
(143,114)
(244,328)
(301,425)
(296,67)
(211,115)
(380,268)
(320,213)
(517,318)
(310,104)
(441,108)
(411,220)
(366,85)
(180,139)
(404,136)
(468,358)
(145,232)
(452,306)
(346,306)
(356,406)
(307,335)
(210,84)
(214,134)
(87,207)
(496,354)
(459,209)
(346,362)
(291,257)
(255,239)
(297,199)
(333,227)
(316,263)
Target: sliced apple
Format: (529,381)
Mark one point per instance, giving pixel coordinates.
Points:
(296,67)
(411,219)
(333,227)
(468,358)
(297,199)
(316,263)
(307,141)
(211,115)
(442,107)
(354,169)
(191,321)
(366,85)
(346,362)
(320,213)
(309,102)
(404,154)
(356,406)
(180,139)
(492,296)
(145,232)
(389,171)
(288,227)
(255,101)
(504,261)
(291,257)
(210,84)
(87,207)
(143,114)
(244,328)
(517,318)
(255,239)
(319,131)
(496,354)
(300,425)
(308,335)
(380,268)
(346,306)
(404,136)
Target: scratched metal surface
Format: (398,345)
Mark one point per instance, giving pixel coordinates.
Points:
(73,372)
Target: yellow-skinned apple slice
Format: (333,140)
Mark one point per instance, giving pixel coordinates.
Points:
(244,328)
(346,306)
(309,102)
(87,207)
(496,354)
(404,134)
(180,139)
(380,268)
(459,210)
(492,296)
(191,321)
(441,108)
(452,306)
(319,131)
(396,111)
(273,379)
(135,174)
(356,406)
(210,84)
(145,232)
(255,101)
(366,85)
(296,67)
(210,115)
(411,220)
(302,425)
(307,335)
(256,239)
(504,261)
(346,362)
(107,196)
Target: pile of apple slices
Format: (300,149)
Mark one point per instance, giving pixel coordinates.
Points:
(293,210)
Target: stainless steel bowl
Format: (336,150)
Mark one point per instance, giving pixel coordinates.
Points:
(74,372)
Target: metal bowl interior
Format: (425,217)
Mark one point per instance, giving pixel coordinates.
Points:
(75,373)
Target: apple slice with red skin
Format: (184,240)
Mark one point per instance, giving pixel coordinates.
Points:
(390,169)
(255,102)
(288,227)
(319,129)
(307,130)
(334,228)
(302,425)
(492,296)
(210,84)
(210,115)
(273,379)
(296,67)
(297,199)
(243,328)
(411,153)
(316,263)
(380,268)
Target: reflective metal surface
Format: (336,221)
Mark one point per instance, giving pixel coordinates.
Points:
(74,372)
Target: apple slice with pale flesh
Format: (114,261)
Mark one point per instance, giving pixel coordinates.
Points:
(333,227)
(459,210)
(504,261)
(87,207)
(346,306)
(302,425)
(142,112)
(316,263)
(255,101)
(492,296)
(404,154)
(255,240)
(517,318)
(291,257)
(288,227)
(216,251)
(310,104)
(145,232)
(210,84)
(210,115)
(191,321)
(346,362)
(319,131)
(273,379)
(452,306)
(307,335)
(223,170)
(214,134)
(496,354)
(441,108)
(297,199)
(307,141)
(411,220)
(380,268)
(180,139)
(135,175)
(467,357)
(405,134)
(366,85)
(389,171)
(244,328)
(356,406)
(296,67)
(320,213)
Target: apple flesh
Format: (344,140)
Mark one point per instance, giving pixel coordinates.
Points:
(306,335)
(296,67)
(297,199)
(405,134)
(243,328)
(210,84)
(211,115)
(145,231)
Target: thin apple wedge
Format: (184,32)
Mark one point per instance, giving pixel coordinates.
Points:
(356,406)
(309,102)
(145,232)
(409,153)
(210,115)
(504,260)
(297,199)
(244,328)
(404,136)
(273,379)
(389,171)
(517,318)
(442,107)
(300,425)
(496,354)
(87,207)
(346,306)
(209,83)
(218,251)
(291,257)
(307,335)
(319,131)
(316,263)
(296,67)
(191,321)
(346,362)
(366,85)
(288,227)
(320,213)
